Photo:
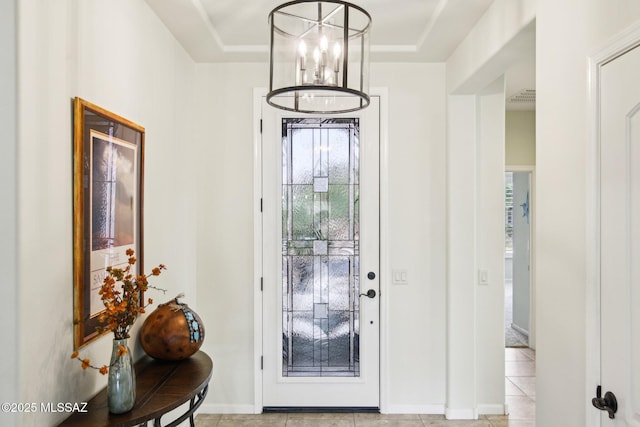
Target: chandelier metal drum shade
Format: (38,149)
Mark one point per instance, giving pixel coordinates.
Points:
(319,57)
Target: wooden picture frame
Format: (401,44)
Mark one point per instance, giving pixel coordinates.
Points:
(108,171)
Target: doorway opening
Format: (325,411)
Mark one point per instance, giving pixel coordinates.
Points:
(517,257)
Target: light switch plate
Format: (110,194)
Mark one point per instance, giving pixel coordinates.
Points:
(483,277)
(400,277)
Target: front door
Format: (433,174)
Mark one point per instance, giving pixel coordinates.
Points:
(620,239)
(320,259)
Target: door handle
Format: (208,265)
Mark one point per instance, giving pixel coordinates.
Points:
(370,293)
(607,403)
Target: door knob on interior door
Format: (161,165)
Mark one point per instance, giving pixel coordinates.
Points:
(607,403)
(370,293)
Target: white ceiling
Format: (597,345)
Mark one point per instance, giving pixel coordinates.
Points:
(237,30)
(402,30)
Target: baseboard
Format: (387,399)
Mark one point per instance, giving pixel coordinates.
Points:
(320,410)
(461,414)
(212,408)
(413,409)
(519,329)
(491,409)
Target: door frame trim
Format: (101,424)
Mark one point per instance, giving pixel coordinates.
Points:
(258,94)
(615,47)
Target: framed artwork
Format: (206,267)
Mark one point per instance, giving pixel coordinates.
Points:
(108,171)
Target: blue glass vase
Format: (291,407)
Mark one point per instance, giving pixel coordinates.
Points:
(121,385)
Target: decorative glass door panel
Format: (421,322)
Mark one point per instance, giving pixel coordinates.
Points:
(320,247)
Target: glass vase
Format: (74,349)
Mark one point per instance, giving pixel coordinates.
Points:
(121,385)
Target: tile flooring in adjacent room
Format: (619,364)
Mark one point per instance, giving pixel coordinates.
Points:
(520,383)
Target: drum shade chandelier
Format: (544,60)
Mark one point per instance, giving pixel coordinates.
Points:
(319,57)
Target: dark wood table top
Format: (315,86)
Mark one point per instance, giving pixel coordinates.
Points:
(160,388)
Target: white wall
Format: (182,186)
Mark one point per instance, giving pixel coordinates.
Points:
(116,54)
(475,319)
(417,226)
(461,256)
(416,313)
(489,320)
(224,164)
(475,188)
(500,38)
(520,138)
(8,195)
(562,123)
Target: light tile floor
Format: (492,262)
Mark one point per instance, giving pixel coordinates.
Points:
(520,383)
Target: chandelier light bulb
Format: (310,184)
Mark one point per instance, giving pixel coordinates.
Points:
(336,58)
(302,48)
(324,44)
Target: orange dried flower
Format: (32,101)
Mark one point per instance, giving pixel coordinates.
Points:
(122,350)
(122,304)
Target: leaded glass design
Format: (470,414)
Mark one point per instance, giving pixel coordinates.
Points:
(320,247)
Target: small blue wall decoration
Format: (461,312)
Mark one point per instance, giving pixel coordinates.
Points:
(525,208)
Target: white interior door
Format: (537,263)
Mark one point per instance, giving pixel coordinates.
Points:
(521,252)
(320,179)
(620,237)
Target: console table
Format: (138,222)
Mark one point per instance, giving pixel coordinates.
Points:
(160,388)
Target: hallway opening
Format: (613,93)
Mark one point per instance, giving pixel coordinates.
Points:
(517,257)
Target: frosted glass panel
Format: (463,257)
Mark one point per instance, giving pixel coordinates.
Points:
(339,283)
(302,215)
(302,338)
(339,158)
(302,157)
(340,210)
(339,342)
(302,283)
(320,248)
